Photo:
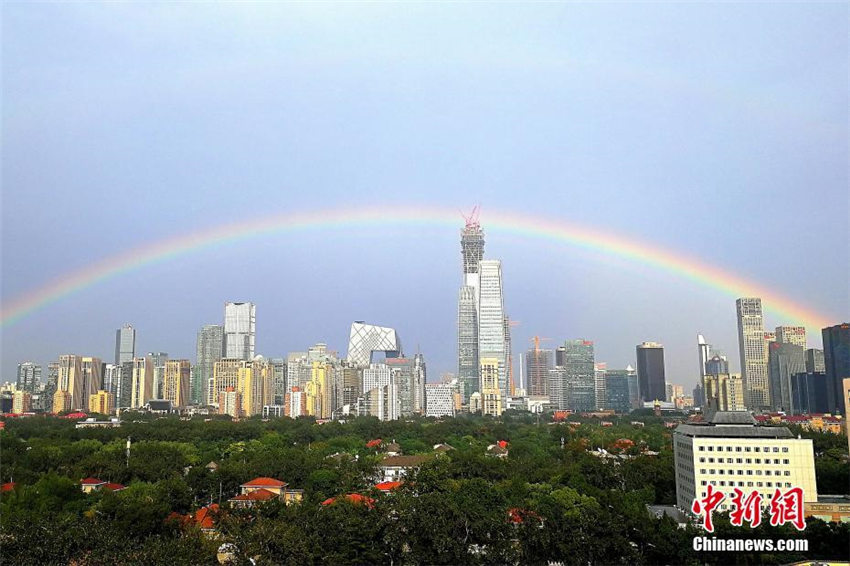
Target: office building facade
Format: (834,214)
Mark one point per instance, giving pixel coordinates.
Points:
(125,345)
(239,330)
(836,355)
(752,348)
(650,372)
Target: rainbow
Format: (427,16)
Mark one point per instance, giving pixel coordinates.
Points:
(559,231)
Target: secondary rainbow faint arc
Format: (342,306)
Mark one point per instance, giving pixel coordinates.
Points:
(533,226)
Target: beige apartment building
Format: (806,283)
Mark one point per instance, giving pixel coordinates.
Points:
(491,394)
(175,382)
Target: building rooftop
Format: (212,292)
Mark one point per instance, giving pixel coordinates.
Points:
(732,418)
(264,482)
(732,424)
(404,461)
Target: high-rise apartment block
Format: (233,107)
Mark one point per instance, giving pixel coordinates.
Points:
(752,347)
(836,354)
(491,390)
(650,371)
(723,392)
(440,399)
(70,381)
(125,344)
(175,384)
(225,375)
(21,402)
(29,376)
(239,330)
(141,388)
(91,372)
(230,402)
(102,402)
(158,359)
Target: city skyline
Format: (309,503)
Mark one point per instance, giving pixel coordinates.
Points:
(800,334)
(661,134)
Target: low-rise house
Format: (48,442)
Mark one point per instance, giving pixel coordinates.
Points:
(443,448)
(265,489)
(394,468)
(89,485)
(497,450)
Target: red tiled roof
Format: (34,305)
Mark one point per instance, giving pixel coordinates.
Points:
(9,486)
(115,486)
(517,515)
(75,416)
(257,495)
(355,498)
(92,481)
(387,485)
(264,482)
(205,516)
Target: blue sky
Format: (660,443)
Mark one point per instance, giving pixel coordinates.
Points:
(718,130)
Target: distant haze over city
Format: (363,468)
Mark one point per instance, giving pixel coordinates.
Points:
(716,138)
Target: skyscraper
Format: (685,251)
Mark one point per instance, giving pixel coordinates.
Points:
(791,335)
(538,362)
(210,349)
(785,360)
(91,372)
(472,252)
(175,385)
(650,371)
(753,352)
(815,361)
(29,376)
(364,339)
(125,344)
(836,357)
(239,330)
(572,384)
(141,387)
(491,389)
(159,359)
(716,365)
(492,342)
(704,352)
(69,382)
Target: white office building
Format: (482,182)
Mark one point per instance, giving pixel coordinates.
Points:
(730,451)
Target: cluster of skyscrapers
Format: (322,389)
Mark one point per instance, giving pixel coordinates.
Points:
(778,371)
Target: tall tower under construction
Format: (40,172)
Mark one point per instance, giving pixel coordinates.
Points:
(472,252)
